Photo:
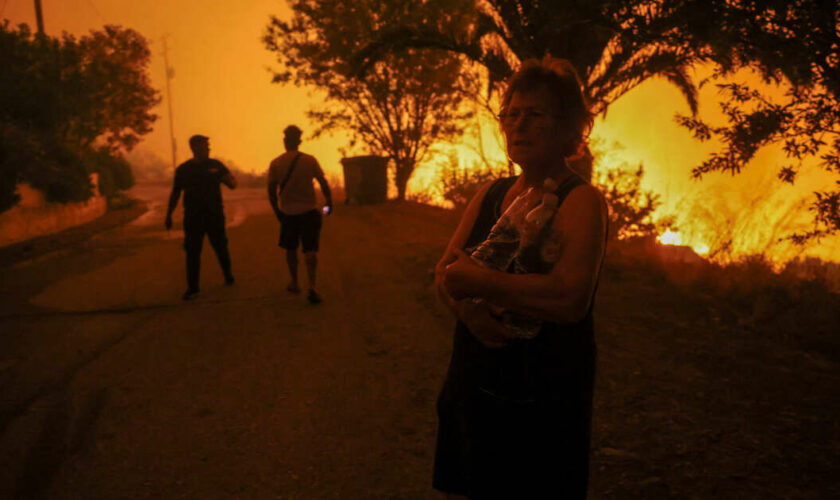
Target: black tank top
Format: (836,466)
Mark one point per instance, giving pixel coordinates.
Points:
(558,364)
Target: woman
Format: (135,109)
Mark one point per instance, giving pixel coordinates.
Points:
(514,415)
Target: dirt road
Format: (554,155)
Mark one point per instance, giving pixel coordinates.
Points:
(112,387)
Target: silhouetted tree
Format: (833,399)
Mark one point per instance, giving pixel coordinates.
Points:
(117,87)
(796,45)
(68,107)
(615,45)
(459,183)
(631,207)
(405,103)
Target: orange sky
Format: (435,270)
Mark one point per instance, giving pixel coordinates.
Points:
(222,89)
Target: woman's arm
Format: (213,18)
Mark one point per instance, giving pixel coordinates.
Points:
(457,242)
(562,295)
(475,314)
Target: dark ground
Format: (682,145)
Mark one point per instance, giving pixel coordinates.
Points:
(112,388)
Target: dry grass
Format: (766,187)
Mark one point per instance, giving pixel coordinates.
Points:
(715,381)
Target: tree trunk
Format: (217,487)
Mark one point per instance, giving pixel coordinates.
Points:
(404,169)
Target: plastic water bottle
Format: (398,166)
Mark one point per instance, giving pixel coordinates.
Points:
(527,259)
(514,245)
(535,227)
(498,250)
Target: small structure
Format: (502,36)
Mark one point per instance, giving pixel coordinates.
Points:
(365,179)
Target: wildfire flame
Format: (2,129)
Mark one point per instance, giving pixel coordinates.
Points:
(669,238)
(745,214)
(675,238)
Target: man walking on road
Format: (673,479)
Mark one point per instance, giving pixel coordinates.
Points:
(200,179)
(300,219)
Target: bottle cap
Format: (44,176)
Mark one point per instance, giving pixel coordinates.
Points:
(550,185)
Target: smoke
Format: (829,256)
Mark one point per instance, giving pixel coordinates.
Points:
(148,167)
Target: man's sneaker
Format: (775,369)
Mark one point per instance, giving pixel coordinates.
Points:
(229,280)
(293,288)
(189,294)
(313,297)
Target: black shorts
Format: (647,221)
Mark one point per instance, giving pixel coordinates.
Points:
(304,228)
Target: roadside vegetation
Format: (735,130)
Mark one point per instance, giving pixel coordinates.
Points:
(70,107)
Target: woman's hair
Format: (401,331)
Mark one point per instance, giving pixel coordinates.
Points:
(562,82)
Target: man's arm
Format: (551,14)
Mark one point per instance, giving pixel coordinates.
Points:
(272,192)
(174,196)
(228,179)
(325,190)
(562,295)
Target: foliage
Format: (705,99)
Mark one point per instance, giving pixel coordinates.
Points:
(17,148)
(459,184)
(118,88)
(795,46)
(96,87)
(804,291)
(614,45)
(114,171)
(631,207)
(67,108)
(8,185)
(405,103)
(618,45)
(44,162)
(61,176)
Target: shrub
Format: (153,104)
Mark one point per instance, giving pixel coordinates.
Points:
(114,171)
(8,187)
(62,175)
(121,172)
(631,208)
(459,184)
(17,149)
(59,97)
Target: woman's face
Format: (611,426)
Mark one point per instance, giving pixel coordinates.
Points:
(530,127)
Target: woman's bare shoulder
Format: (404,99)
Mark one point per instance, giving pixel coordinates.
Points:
(586,195)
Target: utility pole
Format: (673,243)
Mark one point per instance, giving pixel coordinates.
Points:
(170,73)
(39,17)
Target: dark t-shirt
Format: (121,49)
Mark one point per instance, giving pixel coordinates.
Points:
(200,180)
